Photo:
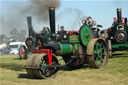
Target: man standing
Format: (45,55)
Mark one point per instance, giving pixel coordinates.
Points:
(93,25)
(61,33)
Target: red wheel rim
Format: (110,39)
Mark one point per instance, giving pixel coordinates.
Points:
(22,51)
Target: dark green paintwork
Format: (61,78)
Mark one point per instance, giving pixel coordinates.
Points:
(73,39)
(65,49)
(85,30)
(68,48)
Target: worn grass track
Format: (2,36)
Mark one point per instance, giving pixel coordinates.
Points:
(115,73)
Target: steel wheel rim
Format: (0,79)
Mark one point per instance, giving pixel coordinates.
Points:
(92,54)
(47,72)
(22,51)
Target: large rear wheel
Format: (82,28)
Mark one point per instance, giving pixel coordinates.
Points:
(98,53)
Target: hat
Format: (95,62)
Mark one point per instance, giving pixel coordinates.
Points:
(89,17)
(114,18)
(62,27)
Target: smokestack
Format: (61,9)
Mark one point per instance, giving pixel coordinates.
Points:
(119,16)
(52,19)
(29,21)
(125,20)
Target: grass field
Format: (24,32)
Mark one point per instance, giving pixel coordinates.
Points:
(115,73)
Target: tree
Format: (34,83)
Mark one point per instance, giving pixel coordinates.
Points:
(14,34)
(18,35)
(22,35)
(3,38)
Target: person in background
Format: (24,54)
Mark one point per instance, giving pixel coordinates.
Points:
(62,28)
(91,23)
(114,22)
(43,30)
(84,22)
(61,33)
(123,22)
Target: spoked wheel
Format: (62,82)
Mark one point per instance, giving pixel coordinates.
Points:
(37,66)
(98,54)
(22,52)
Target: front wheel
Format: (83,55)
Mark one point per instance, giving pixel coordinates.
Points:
(37,66)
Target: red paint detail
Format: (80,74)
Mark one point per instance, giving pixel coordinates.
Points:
(48,51)
(71,32)
(88,35)
(114,18)
(94,37)
(50,57)
(74,38)
(123,22)
(29,42)
(22,51)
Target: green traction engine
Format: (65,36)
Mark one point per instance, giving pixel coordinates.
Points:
(77,48)
(118,34)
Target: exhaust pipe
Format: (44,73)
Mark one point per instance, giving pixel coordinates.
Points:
(52,19)
(29,21)
(119,16)
(125,21)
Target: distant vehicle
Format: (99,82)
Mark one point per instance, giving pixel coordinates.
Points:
(3,45)
(4,51)
(14,47)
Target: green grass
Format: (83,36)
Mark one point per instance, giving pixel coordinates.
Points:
(115,73)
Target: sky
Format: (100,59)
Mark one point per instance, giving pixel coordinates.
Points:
(68,14)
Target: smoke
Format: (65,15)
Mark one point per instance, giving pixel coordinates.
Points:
(74,18)
(78,17)
(39,8)
(78,14)
(14,16)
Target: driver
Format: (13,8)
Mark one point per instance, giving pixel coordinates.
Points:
(43,30)
(91,23)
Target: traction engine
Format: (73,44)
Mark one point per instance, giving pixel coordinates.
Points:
(76,48)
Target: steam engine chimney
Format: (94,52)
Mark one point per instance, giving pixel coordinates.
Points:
(52,19)
(29,21)
(119,16)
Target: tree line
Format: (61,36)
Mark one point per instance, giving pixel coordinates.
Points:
(14,34)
